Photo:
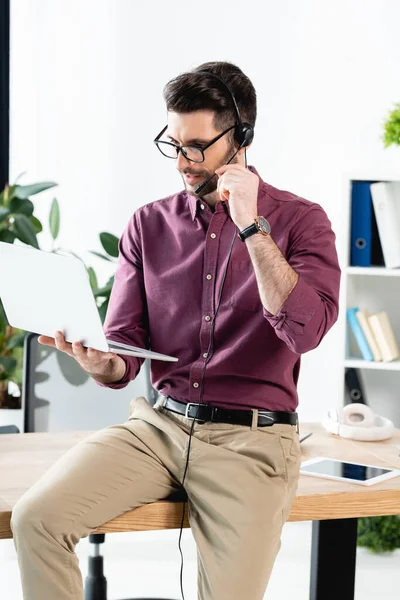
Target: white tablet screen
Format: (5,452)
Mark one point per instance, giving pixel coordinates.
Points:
(344,469)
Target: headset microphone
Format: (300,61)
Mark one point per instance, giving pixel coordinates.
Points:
(201,186)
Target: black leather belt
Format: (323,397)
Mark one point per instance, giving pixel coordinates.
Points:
(205,412)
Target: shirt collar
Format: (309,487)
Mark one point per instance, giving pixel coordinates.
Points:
(194,203)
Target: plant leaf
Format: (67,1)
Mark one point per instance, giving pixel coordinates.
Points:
(24,207)
(3,319)
(92,278)
(25,231)
(24,191)
(392,127)
(100,255)
(37,226)
(19,177)
(104,291)
(54,219)
(109,243)
(4,212)
(7,236)
(69,252)
(103,310)
(8,364)
(17,341)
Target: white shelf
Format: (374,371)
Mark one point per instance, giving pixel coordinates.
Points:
(358,363)
(365,176)
(374,271)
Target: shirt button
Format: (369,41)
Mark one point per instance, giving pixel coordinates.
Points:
(207,318)
(195,385)
(202,206)
(209,277)
(213,236)
(205,355)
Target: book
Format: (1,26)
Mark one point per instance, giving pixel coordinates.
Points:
(362,317)
(359,334)
(365,247)
(384,335)
(386,203)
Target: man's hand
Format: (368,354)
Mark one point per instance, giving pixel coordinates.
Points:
(239,187)
(102,366)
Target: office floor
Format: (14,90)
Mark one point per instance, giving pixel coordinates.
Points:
(147,564)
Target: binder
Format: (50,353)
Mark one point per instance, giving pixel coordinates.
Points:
(366,248)
(354,386)
(386,202)
(359,334)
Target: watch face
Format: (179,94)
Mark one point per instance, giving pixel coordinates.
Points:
(263,225)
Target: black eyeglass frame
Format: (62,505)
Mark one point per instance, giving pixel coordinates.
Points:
(178,148)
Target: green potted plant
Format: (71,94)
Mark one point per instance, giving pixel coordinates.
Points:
(379,534)
(392,127)
(17,222)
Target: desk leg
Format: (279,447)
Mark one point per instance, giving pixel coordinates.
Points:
(333,559)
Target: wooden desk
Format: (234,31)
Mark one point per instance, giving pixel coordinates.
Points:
(332,506)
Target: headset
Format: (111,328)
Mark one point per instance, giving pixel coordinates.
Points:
(243,134)
(357,421)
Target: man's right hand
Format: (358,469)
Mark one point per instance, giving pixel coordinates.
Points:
(105,367)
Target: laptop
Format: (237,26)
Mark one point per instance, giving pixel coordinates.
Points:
(44,292)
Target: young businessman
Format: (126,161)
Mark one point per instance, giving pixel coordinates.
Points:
(237,279)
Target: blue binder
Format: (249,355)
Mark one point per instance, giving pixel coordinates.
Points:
(359,334)
(361,224)
(366,247)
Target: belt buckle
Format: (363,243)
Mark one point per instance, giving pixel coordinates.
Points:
(261,414)
(188,405)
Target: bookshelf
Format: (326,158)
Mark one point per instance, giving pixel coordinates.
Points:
(375,288)
(358,363)
(373,271)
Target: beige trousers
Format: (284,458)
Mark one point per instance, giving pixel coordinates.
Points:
(241,482)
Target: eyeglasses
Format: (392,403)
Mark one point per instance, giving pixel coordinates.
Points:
(192,153)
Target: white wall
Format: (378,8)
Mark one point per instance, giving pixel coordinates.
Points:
(86,102)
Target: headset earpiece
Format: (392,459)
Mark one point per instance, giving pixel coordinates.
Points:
(244,134)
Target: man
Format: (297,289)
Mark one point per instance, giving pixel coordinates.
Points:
(238,312)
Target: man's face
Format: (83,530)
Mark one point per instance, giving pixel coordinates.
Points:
(197,129)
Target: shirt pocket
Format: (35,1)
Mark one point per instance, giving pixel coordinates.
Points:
(243,289)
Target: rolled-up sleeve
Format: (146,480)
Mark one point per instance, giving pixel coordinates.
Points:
(312,307)
(127,320)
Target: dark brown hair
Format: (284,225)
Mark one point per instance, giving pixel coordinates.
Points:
(198,91)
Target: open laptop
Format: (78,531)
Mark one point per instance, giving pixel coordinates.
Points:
(44,292)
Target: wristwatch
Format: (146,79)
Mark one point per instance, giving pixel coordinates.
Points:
(260,225)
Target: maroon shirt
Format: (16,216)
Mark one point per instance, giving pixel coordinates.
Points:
(172,257)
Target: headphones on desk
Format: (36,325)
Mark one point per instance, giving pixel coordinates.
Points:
(358,422)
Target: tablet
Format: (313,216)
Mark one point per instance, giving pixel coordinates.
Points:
(332,468)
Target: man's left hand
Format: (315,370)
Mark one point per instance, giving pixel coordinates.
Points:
(239,187)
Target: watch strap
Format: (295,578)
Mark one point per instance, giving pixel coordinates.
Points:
(248,231)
